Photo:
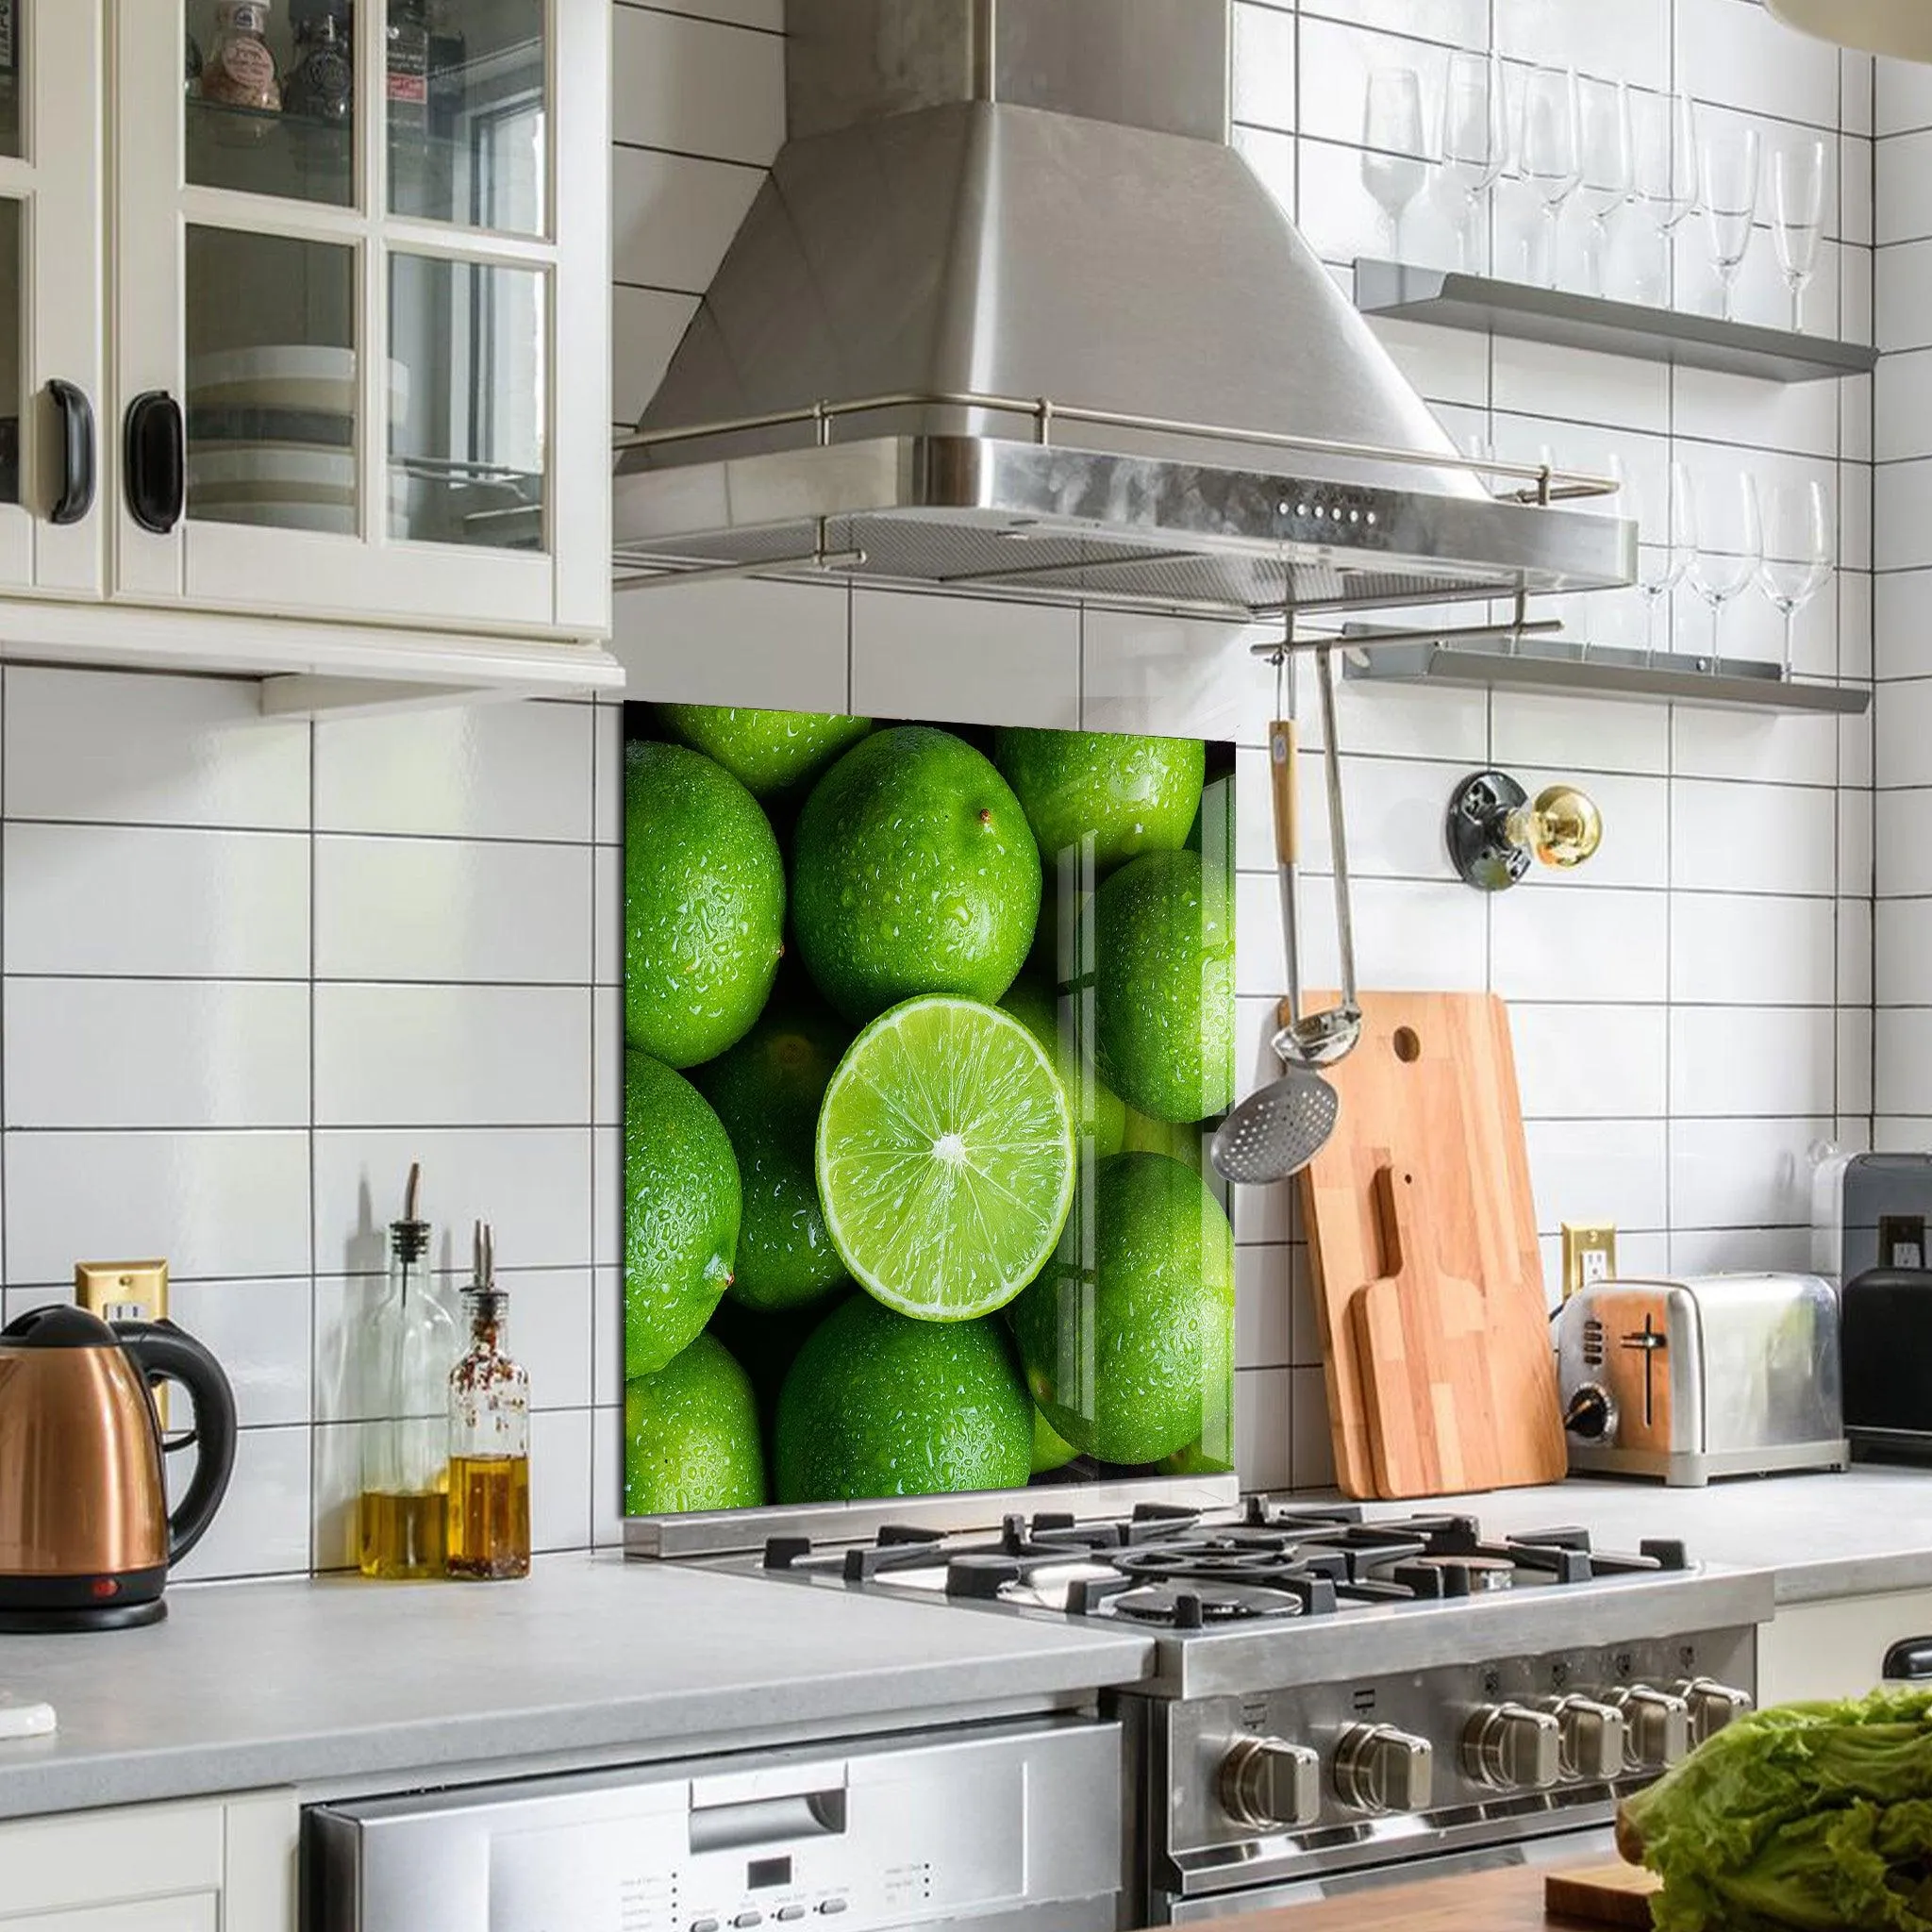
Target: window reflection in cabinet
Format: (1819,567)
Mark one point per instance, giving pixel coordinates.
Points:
(467,113)
(271,382)
(467,463)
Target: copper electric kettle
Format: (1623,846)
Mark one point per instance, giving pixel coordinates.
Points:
(86,1536)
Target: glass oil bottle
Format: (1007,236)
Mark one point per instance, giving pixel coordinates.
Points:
(402,1513)
(488,1438)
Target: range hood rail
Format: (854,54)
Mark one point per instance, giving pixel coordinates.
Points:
(1545,483)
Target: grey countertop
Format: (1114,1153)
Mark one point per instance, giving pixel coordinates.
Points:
(1850,1533)
(248,1686)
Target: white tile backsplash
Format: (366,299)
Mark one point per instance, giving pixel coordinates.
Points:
(202,913)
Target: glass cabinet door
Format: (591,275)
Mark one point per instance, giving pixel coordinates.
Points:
(351,207)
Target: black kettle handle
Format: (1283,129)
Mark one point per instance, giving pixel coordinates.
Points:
(164,1352)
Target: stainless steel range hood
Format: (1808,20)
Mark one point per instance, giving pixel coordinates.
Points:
(1011,315)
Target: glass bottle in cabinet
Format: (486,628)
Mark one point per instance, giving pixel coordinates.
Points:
(488,1438)
(274,109)
(402,1513)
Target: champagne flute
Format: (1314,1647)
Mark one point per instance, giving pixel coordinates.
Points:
(1552,155)
(1661,564)
(1474,143)
(1797,551)
(1728,168)
(1797,207)
(1730,546)
(1394,171)
(1604,140)
(1663,135)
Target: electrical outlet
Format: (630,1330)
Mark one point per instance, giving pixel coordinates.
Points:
(1590,1254)
(125,1291)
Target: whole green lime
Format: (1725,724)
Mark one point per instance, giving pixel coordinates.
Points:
(704,904)
(1132,1359)
(1164,986)
(1130,794)
(913,871)
(880,1405)
(690,1436)
(1098,1111)
(682,1209)
(1049,1450)
(768,752)
(767,1091)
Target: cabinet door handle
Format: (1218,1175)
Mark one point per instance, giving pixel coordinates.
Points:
(156,462)
(1908,1660)
(76,414)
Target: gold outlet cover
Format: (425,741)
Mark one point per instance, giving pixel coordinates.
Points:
(1590,1254)
(125,1291)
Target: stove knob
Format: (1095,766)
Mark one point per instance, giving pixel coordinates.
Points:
(1593,1736)
(1512,1748)
(1712,1706)
(1270,1785)
(1656,1727)
(1378,1768)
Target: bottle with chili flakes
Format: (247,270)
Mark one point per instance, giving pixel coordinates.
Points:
(239,71)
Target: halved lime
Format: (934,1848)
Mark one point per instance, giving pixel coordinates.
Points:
(945,1159)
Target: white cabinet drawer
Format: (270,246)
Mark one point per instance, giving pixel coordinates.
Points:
(100,1858)
(201,1913)
(1836,1649)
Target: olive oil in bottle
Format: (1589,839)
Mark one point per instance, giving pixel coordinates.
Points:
(488,1438)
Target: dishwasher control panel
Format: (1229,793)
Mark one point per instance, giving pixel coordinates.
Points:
(1017,1820)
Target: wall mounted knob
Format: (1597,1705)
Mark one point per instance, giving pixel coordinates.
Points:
(1378,1768)
(1270,1785)
(1495,832)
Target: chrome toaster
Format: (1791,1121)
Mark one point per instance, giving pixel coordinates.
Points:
(1712,1375)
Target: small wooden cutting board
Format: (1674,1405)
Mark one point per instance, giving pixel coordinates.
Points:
(1604,1895)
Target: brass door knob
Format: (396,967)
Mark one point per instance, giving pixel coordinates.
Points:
(1494,831)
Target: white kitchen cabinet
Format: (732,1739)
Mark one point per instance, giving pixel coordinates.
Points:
(1836,1649)
(214,1865)
(349,376)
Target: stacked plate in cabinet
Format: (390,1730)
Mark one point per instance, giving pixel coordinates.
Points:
(272,437)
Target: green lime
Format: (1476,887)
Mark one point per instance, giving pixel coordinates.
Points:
(1164,986)
(681,1208)
(1133,1358)
(1050,1451)
(690,1436)
(767,1091)
(1098,1110)
(704,911)
(767,752)
(1195,1459)
(764,1344)
(913,873)
(945,1159)
(1142,1134)
(880,1405)
(1131,795)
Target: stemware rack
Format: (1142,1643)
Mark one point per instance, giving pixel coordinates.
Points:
(1451,299)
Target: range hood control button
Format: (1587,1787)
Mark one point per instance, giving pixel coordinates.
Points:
(1656,1727)
(1270,1785)
(1712,1706)
(1512,1748)
(1592,1738)
(1378,1768)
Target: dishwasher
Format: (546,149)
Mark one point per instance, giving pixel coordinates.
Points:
(1012,1826)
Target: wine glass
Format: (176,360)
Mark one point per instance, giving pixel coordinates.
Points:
(1663,139)
(1551,154)
(1797,551)
(1730,546)
(1729,167)
(1392,167)
(1661,564)
(1797,207)
(1603,141)
(1474,145)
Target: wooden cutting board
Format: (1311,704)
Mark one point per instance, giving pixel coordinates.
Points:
(1421,1338)
(1604,1895)
(1435,1077)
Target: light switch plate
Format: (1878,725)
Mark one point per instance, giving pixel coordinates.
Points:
(1590,1254)
(125,1291)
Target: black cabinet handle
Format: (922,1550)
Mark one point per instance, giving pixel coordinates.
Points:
(76,414)
(1909,1660)
(157,461)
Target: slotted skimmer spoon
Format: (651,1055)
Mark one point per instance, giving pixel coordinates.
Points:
(1280,1128)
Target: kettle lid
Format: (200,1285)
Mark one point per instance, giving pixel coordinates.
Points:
(60,1324)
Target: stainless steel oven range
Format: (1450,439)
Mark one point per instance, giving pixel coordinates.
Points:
(1337,1698)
